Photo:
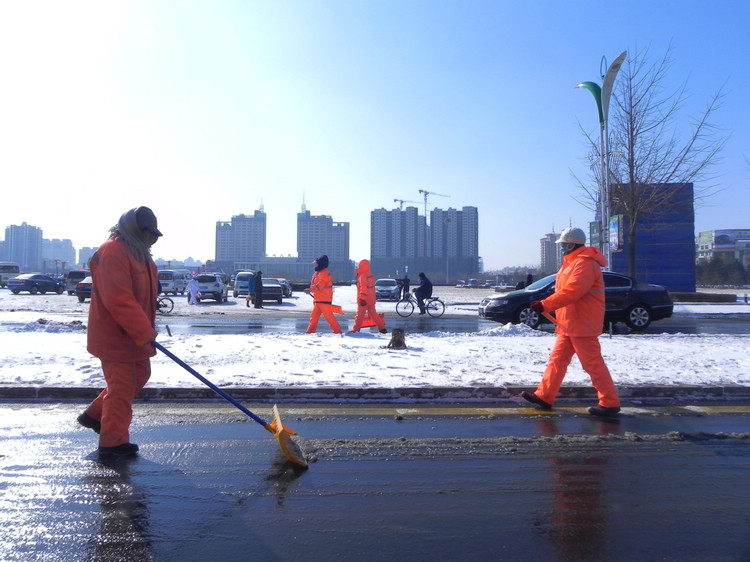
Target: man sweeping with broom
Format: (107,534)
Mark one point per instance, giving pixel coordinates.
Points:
(366,300)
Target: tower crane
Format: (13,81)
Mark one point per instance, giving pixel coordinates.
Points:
(426,193)
(402,201)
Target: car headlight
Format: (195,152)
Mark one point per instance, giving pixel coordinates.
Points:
(496,304)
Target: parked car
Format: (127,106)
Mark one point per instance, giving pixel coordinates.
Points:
(83,289)
(74,277)
(212,285)
(272,290)
(286,287)
(35,283)
(387,290)
(174,280)
(630,301)
(242,283)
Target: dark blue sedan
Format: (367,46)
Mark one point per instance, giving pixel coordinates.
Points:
(35,283)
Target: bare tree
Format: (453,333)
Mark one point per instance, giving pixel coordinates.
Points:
(649,162)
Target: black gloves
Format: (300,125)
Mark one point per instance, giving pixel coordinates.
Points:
(537,307)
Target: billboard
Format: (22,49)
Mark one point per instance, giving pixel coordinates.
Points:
(615,233)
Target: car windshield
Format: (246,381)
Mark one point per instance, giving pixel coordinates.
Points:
(206,278)
(541,283)
(385,283)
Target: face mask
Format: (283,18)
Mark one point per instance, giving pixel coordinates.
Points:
(567,248)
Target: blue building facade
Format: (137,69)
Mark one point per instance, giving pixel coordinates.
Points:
(665,243)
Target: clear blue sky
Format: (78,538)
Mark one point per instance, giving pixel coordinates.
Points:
(204,110)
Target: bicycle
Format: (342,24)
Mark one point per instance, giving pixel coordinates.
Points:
(164,305)
(433,306)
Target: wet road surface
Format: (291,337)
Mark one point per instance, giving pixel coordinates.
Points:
(385,482)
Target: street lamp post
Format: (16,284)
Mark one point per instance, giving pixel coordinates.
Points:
(602,96)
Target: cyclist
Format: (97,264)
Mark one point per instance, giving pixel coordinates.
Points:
(424,291)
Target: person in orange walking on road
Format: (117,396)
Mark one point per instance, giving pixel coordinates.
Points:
(579,304)
(321,289)
(366,298)
(121,326)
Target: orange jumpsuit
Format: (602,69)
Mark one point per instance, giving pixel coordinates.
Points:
(321,288)
(120,331)
(579,304)
(366,295)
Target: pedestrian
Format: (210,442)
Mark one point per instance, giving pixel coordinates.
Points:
(121,326)
(258,286)
(192,289)
(366,298)
(405,287)
(321,289)
(423,291)
(578,301)
(250,298)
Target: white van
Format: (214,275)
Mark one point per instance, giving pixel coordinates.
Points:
(242,283)
(174,280)
(74,277)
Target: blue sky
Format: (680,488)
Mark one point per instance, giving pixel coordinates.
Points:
(205,110)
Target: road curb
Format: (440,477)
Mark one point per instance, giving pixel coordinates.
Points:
(452,395)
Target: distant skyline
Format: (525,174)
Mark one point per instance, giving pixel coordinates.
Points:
(205,110)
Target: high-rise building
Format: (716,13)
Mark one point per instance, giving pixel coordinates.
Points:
(317,235)
(58,256)
(551,258)
(23,245)
(241,242)
(445,250)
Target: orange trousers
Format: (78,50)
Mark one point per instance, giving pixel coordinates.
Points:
(325,310)
(589,354)
(360,317)
(114,405)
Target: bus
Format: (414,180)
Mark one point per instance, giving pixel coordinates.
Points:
(8,270)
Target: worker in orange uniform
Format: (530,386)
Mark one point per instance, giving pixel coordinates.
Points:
(579,304)
(321,289)
(121,326)
(366,298)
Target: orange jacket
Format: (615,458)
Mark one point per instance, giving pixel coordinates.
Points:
(321,287)
(123,305)
(365,283)
(579,294)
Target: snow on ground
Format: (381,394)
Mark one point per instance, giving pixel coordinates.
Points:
(44,345)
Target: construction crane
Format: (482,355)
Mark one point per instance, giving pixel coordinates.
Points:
(402,201)
(426,193)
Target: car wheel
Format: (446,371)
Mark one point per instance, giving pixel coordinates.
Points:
(278,301)
(638,317)
(60,291)
(34,290)
(527,316)
(81,299)
(14,291)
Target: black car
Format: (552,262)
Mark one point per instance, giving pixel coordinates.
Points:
(35,283)
(627,300)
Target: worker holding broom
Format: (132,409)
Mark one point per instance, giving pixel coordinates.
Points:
(321,290)
(121,326)
(366,299)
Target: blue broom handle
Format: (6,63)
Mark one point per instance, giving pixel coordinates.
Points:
(207,382)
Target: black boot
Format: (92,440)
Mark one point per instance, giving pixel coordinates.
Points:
(87,421)
(604,412)
(534,399)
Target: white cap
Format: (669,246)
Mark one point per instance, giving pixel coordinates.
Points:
(572,235)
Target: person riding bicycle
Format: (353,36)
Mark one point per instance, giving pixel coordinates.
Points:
(424,291)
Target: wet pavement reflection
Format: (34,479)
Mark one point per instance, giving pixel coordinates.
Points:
(384,483)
